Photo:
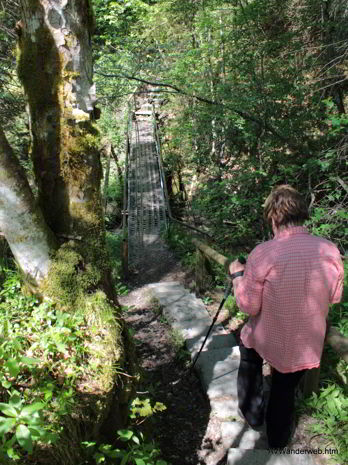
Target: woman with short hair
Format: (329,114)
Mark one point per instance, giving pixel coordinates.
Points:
(286,287)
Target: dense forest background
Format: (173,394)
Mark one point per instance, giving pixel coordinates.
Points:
(253,94)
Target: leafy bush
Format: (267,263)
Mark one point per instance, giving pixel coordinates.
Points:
(113,213)
(330,408)
(180,242)
(44,358)
(137,451)
(114,247)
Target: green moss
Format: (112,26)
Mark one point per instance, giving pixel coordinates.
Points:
(108,384)
(62,283)
(38,68)
(107,348)
(77,269)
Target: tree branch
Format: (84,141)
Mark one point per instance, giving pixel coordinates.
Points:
(246,116)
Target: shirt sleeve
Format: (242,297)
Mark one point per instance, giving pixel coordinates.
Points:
(337,290)
(249,288)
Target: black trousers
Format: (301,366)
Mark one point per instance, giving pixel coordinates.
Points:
(280,409)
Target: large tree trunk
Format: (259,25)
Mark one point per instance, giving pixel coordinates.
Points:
(55,68)
(31,241)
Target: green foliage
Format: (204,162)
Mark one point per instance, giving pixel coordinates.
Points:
(45,347)
(46,356)
(112,126)
(142,408)
(180,242)
(114,194)
(233,309)
(21,424)
(137,450)
(330,408)
(114,246)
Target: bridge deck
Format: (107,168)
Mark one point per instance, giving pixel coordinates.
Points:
(146,205)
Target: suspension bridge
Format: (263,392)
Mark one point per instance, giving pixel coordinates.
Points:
(147,210)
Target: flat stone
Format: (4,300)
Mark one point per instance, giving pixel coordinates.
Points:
(179,304)
(219,369)
(217,339)
(225,408)
(185,308)
(238,434)
(191,329)
(264,457)
(167,292)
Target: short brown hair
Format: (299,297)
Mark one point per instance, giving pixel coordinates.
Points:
(285,206)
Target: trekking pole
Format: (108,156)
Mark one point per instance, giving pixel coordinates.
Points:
(228,290)
(226,294)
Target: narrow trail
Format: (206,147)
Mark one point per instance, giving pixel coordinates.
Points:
(198,427)
(186,432)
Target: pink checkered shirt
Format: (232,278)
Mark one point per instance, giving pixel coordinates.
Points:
(287,287)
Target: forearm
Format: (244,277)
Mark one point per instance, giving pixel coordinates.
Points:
(250,306)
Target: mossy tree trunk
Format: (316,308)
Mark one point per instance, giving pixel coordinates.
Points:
(55,68)
(61,233)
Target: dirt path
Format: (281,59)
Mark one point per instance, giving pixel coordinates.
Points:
(185,432)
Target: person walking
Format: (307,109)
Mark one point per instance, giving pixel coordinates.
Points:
(286,287)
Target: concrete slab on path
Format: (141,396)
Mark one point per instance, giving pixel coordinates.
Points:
(179,304)
(264,457)
(237,434)
(188,315)
(225,408)
(195,331)
(219,369)
(168,291)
